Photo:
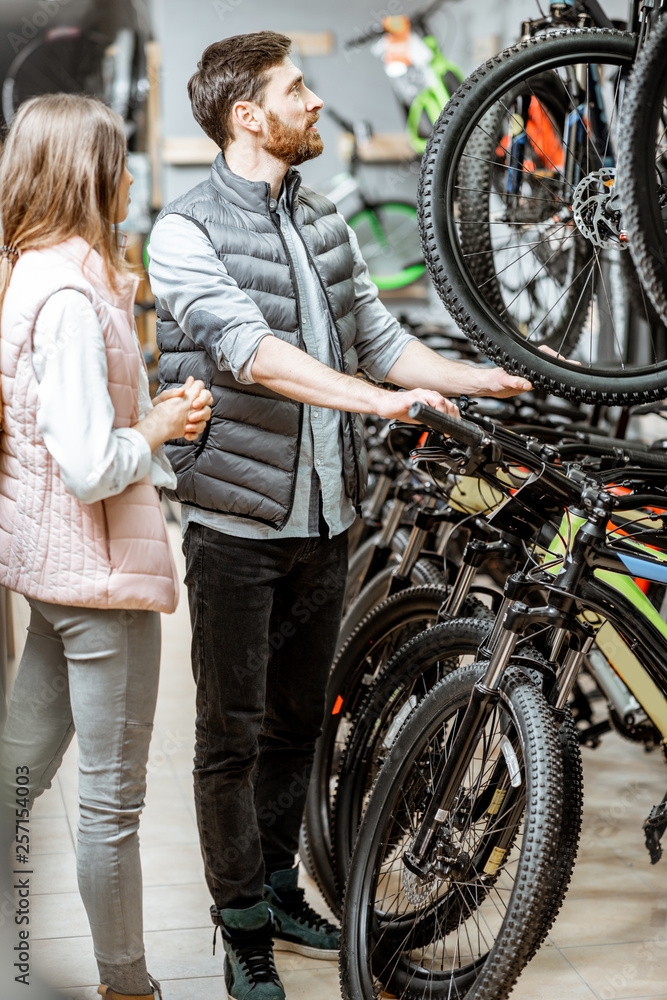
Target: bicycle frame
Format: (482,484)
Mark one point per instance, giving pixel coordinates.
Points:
(593,576)
(431,100)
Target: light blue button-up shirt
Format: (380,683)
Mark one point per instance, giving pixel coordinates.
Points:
(188,283)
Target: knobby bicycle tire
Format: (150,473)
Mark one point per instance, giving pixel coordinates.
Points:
(406,679)
(497,340)
(376,944)
(643,217)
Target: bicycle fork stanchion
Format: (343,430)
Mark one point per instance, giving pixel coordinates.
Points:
(515,584)
(376,557)
(476,551)
(452,769)
(377,502)
(422,525)
(571,666)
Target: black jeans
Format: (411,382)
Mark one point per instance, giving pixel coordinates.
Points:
(265,618)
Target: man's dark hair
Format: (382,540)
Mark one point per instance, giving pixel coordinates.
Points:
(232,70)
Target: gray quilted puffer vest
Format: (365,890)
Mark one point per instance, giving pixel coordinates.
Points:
(246,461)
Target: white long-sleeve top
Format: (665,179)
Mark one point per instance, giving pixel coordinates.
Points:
(75,413)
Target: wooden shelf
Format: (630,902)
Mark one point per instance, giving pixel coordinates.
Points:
(189,151)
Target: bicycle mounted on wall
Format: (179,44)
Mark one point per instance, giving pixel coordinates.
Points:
(520,211)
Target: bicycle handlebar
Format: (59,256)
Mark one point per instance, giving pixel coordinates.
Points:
(516,450)
(418,20)
(462,430)
(649,459)
(364,37)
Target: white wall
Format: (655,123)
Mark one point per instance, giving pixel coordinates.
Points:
(355,84)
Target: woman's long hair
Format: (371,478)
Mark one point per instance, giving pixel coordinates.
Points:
(60,171)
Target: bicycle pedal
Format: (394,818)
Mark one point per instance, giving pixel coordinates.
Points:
(654,827)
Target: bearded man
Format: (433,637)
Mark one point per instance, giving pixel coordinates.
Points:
(262,292)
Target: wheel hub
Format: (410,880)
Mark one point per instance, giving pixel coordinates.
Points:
(445,864)
(596,210)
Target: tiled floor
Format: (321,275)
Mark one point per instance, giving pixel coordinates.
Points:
(609,942)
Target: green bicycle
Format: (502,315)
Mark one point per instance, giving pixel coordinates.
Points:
(422,77)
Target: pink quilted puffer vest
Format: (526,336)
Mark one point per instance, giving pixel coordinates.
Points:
(114,553)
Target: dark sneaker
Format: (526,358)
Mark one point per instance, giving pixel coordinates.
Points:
(296,925)
(250,972)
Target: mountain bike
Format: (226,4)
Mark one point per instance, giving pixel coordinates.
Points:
(403,681)
(520,216)
(422,77)
(465,850)
(389,611)
(385,228)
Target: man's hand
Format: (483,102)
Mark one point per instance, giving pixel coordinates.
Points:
(496,382)
(395,405)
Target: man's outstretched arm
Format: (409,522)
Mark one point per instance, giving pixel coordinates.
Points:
(292,372)
(418,365)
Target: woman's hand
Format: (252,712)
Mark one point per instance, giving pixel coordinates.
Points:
(180,412)
(200,410)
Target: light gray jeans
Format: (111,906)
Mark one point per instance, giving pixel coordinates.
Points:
(96,672)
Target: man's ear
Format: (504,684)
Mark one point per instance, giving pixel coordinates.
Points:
(245,116)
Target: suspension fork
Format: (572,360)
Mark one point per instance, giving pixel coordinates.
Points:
(376,558)
(474,554)
(377,502)
(452,768)
(420,529)
(581,642)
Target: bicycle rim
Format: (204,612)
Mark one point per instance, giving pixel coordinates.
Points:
(563,215)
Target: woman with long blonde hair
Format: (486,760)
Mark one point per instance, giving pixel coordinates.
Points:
(82,535)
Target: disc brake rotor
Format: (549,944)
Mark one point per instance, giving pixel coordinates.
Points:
(596,210)
(416,889)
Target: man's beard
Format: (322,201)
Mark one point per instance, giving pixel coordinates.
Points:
(291,144)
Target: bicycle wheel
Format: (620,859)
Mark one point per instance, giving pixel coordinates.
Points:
(398,688)
(642,166)
(521,268)
(373,642)
(573,202)
(389,242)
(469,931)
(424,573)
